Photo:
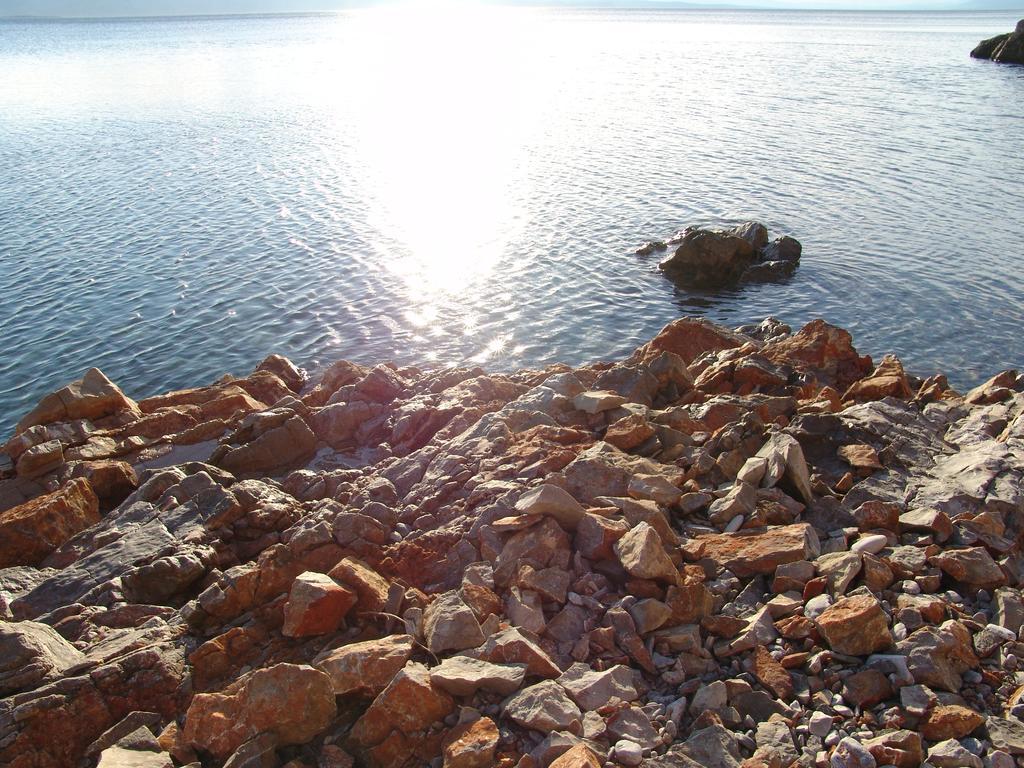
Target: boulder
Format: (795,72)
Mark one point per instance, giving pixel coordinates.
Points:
(450,625)
(365,668)
(389,732)
(471,745)
(32,653)
(464,676)
(709,259)
(92,397)
(316,605)
(553,501)
(642,555)
(855,626)
(275,450)
(544,707)
(1007,48)
(294,702)
(938,656)
(31,531)
(592,689)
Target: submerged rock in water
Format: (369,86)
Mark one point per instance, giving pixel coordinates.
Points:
(710,258)
(743,546)
(1007,48)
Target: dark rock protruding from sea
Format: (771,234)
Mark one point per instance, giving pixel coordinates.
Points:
(710,258)
(1007,48)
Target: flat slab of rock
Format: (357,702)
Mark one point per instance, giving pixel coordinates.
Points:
(553,501)
(31,653)
(750,552)
(464,676)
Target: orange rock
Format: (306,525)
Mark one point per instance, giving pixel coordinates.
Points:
(111,480)
(167,421)
(771,674)
(629,432)
(293,702)
(471,745)
(393,725)
(365,668)
(370,586)
(690,337)
(863,458)
(580,756)
(94,396)
(31,531)
(750,552)
(823,350)
(949,721)
(887,380)
(316,605)
(855,626)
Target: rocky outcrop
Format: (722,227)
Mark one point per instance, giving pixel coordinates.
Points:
(1007,48)
(712,258)
(736,547)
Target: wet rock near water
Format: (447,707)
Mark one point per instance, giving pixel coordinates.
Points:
(719,258)
(1007,48)
(738,547)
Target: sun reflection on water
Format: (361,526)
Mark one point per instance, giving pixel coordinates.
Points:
(440,140)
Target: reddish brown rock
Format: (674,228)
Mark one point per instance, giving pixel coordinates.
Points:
(887,380)
(750,552)
(863,459)
(973,566)
(316,605)
(276,449)
(92,397)
(823,350)
(292,702)
(391,731)
(629,432)
(31,531)
(689,338)
(866,688)
(771,674)
(371,588)
(510,646)
(365,668)
(112,481)
(580,756)
(900,748)
(872,515)
(855,626)
(471,745)
(949,721)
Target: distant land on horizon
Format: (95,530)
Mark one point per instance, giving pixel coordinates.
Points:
(140,8)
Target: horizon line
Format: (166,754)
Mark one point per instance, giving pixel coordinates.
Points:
(644,5)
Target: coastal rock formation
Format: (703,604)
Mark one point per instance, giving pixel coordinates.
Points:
(737,547)
(1007,48)
(711,258)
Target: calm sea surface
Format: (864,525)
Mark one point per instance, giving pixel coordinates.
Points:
(179,198)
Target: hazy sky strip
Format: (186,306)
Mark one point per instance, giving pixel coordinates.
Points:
(102,8)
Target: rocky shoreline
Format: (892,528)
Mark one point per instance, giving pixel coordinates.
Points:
(745,547)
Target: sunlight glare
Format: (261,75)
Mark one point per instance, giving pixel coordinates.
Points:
(439,135)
